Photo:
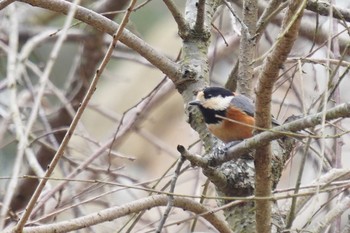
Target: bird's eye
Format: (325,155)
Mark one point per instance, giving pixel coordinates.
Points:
(209,96)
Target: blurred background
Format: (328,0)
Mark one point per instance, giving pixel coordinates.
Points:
(138,108)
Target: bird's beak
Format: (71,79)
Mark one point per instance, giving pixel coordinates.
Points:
(194,102)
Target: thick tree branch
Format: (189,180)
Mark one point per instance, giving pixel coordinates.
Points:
(247,48)
(112,213)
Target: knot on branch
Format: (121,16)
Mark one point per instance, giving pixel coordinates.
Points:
(198,35)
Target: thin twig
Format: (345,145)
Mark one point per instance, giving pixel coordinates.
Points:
(145,102)
(323,8)
(331,215)
(221,35)
(273,8)
(201,201)
(178,17)
(244,27)
(170,203)
(292,213)
(337,178)
(15,112)
(323,103)
(334,93)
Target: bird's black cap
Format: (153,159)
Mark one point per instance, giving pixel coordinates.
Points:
(210,92)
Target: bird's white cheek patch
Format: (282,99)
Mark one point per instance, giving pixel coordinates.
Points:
(217,103)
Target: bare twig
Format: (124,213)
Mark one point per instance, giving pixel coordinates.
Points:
(273,8)
(292,213)
(334,179)
(323,8)
(11,78)
(178,17)
(170,203)
(204,192)
(334,93)
(245,29)
(331,215)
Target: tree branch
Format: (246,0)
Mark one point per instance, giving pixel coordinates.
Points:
(199,26)
(112,213)
(323,8)
(170,203)
(247,48)
(178,17)
(272,8)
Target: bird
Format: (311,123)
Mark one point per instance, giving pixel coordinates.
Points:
(214,102)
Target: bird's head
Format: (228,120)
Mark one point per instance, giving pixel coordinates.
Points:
(213,98)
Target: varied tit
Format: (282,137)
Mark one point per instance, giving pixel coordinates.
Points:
(217,101)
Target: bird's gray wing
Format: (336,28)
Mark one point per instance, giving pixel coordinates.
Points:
(244,103)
